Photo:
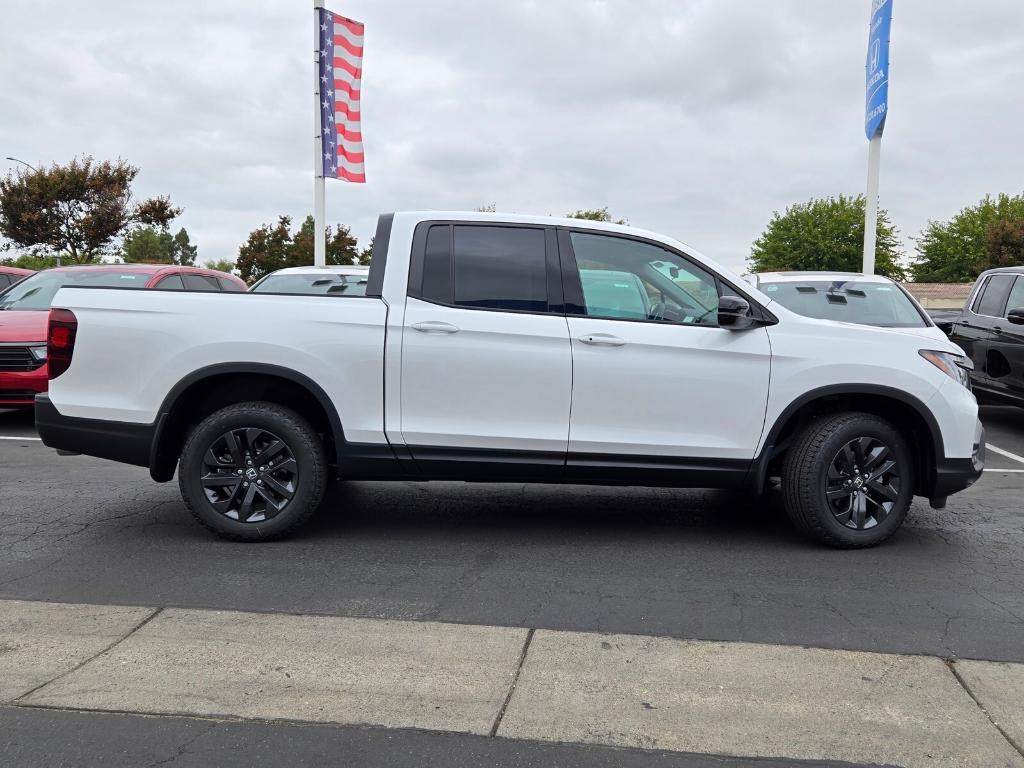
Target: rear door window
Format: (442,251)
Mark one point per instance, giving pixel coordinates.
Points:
(485,267)
(172,283)
(200,283)
(992,301)
(5,281)
(1016,300)
(229,286)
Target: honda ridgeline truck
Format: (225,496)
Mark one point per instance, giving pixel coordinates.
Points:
(511,348)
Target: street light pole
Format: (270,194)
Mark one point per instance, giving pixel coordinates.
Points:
(23,163)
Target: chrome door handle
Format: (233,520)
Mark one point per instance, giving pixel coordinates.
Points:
(997,330)
(602,340)
(435,326)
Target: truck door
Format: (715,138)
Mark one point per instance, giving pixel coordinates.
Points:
(975,330)
(486,371)
(656,381)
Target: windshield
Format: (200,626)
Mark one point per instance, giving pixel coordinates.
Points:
(850,301)
(37,292)
(322,284)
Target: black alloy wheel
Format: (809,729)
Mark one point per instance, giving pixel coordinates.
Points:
(253,471)
(848,479)
(249,475)
(863,483)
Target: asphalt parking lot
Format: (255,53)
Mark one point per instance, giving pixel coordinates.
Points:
(684,564)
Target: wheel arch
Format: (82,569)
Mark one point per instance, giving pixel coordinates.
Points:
(213,387)
(905,411)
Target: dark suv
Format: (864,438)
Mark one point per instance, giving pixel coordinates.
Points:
(991,331)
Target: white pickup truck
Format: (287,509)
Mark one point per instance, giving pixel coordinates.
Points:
(511,348)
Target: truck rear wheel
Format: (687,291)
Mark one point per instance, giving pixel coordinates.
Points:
(848,480)
(253,471)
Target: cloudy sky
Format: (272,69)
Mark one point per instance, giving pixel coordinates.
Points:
(696,118)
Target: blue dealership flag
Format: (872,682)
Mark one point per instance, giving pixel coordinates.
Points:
(876,103)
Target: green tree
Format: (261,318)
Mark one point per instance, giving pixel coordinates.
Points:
(366,254)
(158,245)
(76,210)
(221,265)
(1004,244)
(954,251)
(269,248)
(184,252)
(826,235)
(596,214)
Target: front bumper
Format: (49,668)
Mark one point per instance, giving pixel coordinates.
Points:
(18,389)
(955,475)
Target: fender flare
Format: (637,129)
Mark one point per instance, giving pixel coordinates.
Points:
(759,469)
(158,462)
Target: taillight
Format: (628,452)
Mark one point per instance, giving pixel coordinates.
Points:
(60,341)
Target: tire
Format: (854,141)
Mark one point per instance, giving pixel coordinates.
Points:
(838,485)
(253,472)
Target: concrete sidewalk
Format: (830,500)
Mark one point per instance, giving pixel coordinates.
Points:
(621,690)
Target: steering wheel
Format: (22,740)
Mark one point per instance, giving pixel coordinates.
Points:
(657,311)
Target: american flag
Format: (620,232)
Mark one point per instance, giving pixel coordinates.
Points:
(341,71)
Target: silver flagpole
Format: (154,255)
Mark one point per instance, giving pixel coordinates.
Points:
(319,234)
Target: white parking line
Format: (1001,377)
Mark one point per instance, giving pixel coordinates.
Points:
(1007,454)
(39,439)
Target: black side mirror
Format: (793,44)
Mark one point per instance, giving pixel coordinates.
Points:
(734,313)
(1016,316)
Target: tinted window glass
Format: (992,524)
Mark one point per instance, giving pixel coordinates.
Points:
(1016,296)
(627,280)
(850,301)
(37,291)
(500,268)
(229,286)
(993,300)
(200,283)
(437,265)
(172,283)
(4,281)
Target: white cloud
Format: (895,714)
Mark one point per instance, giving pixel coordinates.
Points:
(697,119)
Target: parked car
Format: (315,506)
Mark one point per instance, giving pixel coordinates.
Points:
(343,280)
(11,275)
(990,329)
(480,353)
(24,308)
(848,297)
(944,318)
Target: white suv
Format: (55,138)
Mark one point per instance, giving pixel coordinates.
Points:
(512,348)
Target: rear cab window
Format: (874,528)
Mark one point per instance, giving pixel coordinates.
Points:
(992,298)
(504,268)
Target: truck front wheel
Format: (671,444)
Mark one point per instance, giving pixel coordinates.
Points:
(848,480)
(253,471)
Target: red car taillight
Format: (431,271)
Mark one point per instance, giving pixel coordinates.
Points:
(60,341)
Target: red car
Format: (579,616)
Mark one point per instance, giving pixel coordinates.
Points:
(10,275)
(24,311)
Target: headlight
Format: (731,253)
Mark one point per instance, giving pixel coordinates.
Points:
(39,353)
(957,367)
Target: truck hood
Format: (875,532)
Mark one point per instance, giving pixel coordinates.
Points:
(23,325)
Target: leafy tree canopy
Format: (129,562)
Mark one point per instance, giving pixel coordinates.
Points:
(76,210)
(596,214)
(158,245)
(955,251)
(221,265)
(1004,244)
(825,235)
(273,247)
